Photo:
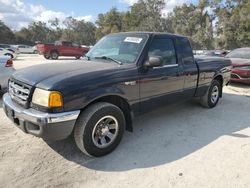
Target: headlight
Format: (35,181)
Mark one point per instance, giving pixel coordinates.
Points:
(50,99)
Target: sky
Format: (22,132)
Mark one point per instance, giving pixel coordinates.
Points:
(19,13)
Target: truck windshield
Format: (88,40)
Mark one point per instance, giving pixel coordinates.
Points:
(124,48)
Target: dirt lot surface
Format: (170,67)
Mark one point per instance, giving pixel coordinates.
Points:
(183,145)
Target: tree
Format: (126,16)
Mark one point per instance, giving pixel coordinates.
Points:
(196,22)
(39,32)
(78,31)
(111,22)
(145,15)
(6,35)
(233,25)
(55,30)
(23,36)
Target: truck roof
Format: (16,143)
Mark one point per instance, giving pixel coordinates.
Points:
(150,33)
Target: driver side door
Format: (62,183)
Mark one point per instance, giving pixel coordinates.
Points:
(164,84)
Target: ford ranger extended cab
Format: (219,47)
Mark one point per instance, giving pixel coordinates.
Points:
(122,76)
(61,48)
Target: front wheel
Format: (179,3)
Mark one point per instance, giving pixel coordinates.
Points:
(99,129)
(211,98)
(46,56)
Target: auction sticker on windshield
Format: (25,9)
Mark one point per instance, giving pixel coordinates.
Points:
(133,39)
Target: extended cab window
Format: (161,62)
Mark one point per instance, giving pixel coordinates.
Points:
(184,48)
(68,44)
(163,47)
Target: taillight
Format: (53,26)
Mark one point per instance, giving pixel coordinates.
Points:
(9,63)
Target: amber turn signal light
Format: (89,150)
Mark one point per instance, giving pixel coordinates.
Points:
(55,99)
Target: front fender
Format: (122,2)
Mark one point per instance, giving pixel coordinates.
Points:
(83,99)
(104,92)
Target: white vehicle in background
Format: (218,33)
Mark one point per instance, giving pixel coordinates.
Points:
(26,49)
(6,70)
(10,47)
(199,52)
(5,52)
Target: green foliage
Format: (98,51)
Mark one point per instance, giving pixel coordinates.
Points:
(111,22)
(195,22)
(80,32)
(145,15)
(6,35)
(233,25)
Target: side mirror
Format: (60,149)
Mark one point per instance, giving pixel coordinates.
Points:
(154,61)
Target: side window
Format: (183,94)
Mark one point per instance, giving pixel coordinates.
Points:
(163,47)
(184,48)
(75,45)
(68,44)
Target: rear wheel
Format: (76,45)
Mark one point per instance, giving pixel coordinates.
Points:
(99,129)
(54,55)
(212,96)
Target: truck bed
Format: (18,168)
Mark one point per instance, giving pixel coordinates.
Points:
(208,67)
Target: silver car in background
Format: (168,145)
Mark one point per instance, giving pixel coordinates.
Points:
(9,47)
(6,70)
(26,49)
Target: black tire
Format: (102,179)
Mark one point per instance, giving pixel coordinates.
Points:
(46,56)
(78,57)
(88,121)
(9,55)
(54,55)
(35,52)
(209,100)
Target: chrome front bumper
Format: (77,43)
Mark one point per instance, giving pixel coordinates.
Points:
(54,126)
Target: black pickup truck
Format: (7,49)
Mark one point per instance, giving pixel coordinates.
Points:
(122,76)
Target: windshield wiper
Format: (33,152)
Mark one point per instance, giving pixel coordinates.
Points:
(109,58)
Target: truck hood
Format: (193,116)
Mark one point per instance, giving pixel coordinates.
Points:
(238,62)
(54,72)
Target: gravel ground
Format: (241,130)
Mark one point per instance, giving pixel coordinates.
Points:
(182,145)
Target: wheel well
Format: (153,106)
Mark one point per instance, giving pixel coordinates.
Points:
(122,104)
(54,51)
(9,54)
(219,78)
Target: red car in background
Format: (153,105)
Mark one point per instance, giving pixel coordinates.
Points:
(217,53)
(61,48)
(241,65)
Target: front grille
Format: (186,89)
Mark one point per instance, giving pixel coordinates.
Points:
(19,92)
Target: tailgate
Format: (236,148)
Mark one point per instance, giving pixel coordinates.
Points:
(40,48)
(44,48)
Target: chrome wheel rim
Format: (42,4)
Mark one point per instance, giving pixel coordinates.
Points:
(105,131)
(215,94)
